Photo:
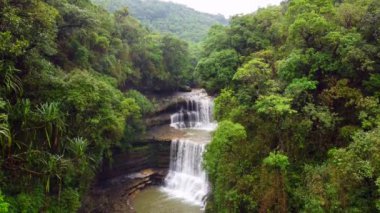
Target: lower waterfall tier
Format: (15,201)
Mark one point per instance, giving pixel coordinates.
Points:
(186,178)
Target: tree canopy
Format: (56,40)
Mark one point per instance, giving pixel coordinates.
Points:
(72,78)
(168,17)
(303,86)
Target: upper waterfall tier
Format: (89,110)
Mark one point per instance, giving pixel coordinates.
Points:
(196,113)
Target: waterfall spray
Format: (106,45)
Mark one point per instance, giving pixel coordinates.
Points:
(186,178)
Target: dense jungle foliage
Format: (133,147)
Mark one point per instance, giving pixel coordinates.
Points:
(298,105)
(297,102)
(168,17)
(69,74)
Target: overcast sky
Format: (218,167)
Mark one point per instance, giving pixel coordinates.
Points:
(226,7)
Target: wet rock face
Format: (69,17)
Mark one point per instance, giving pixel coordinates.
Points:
(131,171)
(166,105)
(143,155)
(161,116)
(114,194)
(158,120)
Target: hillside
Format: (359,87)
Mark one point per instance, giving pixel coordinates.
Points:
(297,108)
(93,109)
(65,97)
(167,17)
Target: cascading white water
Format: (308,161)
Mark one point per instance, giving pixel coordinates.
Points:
(196,114)
(186,178)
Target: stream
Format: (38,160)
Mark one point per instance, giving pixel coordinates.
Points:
(186,185)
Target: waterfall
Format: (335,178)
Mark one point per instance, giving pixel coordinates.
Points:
(196,113)
(186,178)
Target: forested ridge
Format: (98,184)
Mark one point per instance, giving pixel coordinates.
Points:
(298,108)
(69,75)
(168,17)
(297,102)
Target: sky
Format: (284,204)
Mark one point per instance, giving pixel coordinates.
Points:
(226,7)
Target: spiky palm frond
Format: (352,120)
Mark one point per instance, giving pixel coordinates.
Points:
(5,133)
(78,146)
(10,79)
(53,119)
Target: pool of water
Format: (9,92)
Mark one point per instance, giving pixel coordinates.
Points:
(155,200)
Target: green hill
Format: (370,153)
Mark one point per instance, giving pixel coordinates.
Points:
(168,17)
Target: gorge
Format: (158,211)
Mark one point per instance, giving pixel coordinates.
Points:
(164,170)
(186,186)
(97,113)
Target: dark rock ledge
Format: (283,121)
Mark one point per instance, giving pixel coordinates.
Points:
(115,194)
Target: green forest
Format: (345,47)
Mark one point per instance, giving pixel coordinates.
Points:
(298,108)
(69,78)
(168,17)
(297,90)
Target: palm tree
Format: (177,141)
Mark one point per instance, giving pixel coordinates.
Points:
(54,166)
(78,147)
(5,134)
(53,120)
(11,81)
